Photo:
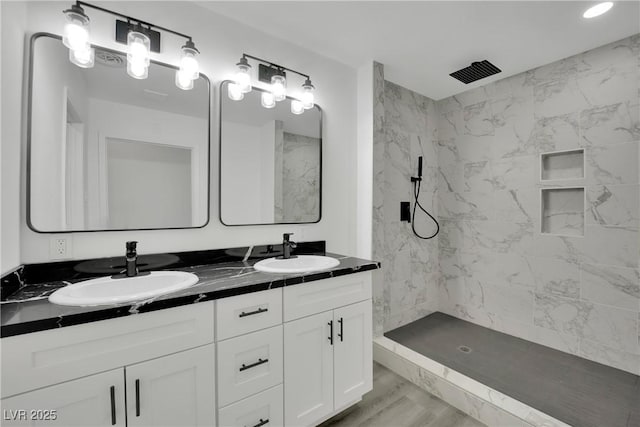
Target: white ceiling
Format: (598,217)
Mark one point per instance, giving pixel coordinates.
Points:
(422,42)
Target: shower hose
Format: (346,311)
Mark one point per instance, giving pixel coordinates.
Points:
(416,193)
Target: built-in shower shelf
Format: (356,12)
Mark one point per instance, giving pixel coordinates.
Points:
(562,165)
(563,211)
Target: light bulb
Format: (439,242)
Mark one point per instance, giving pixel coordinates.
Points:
(598,9)
(188,62)
(234,92)
(297,107)
(139,47)
(279,87)
(183,81)
(243,75)
(268,100)
(76,30)
(308,99)
(137,70)
(83,58)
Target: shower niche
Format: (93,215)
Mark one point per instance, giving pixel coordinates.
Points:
(562,207)
(562,165)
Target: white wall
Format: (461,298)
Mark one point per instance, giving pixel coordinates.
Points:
(13,24)
(127,122)
(221,41)
(248,173)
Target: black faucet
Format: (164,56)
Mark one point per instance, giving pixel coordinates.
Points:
(287,245)
(132,259)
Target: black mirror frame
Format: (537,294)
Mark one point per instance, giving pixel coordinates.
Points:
(32,41)
(222,94)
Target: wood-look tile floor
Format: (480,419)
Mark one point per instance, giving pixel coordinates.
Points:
(396,402)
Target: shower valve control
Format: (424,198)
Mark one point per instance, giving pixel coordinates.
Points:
(405,211)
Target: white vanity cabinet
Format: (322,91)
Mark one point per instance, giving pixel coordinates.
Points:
(290,356)
(96,400)
(327,355)
(174,390)
(163,361)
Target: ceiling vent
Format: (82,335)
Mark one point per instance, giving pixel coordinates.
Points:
(476,71)
(110,59)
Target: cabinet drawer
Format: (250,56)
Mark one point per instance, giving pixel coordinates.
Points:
(44,358)
(247,313)
(322,295)
(248,364)
(262,409)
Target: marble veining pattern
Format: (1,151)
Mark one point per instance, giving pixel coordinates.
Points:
(29,310)
(577,293)
(404,129)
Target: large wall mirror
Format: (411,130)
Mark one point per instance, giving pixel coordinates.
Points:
(270,162)
(110,152)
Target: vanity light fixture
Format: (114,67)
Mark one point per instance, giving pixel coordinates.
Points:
(243,75)
(235,92)
(297,107)
(279,87)
(138,54)
(308,99)
(141,38)
(597,10)
(76,37)
(275,76)
(268,100)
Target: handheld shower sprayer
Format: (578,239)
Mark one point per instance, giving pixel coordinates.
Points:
(417,181)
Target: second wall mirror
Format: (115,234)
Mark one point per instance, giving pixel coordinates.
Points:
(270,162)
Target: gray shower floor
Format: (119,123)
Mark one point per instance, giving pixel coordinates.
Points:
(566,387)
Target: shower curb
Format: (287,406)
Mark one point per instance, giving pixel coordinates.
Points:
(479,401)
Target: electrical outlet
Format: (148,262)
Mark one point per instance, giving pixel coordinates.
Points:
(60,247)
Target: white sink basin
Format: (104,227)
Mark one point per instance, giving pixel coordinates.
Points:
(107,290)
(301,264)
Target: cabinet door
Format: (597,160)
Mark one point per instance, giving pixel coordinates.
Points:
(175,390)
(353,352)
(308,370)
(96,400)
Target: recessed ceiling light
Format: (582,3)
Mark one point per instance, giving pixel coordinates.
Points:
(598,9)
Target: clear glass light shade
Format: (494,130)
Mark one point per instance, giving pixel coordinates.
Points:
(189,64)
(83,58)
(76,31)
(279,87)
(307,98)
(138,70)
(139,48)
(268,100)
(235,92)
(296,107)
(183,80)
(598,9)
(243,78)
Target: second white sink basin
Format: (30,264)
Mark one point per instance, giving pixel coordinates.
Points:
(301,264)
(107,290)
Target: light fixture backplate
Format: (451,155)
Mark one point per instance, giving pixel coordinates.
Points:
(123,28)
(265,73)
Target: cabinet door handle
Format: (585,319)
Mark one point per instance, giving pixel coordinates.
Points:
(261,423)
(137,398)
(253,365)
(251,313)
(341,329)
(330,331)
(112,392)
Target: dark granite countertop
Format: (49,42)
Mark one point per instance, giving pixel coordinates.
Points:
(28,309)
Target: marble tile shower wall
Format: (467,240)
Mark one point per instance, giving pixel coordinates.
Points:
(577,294)
(404,129)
